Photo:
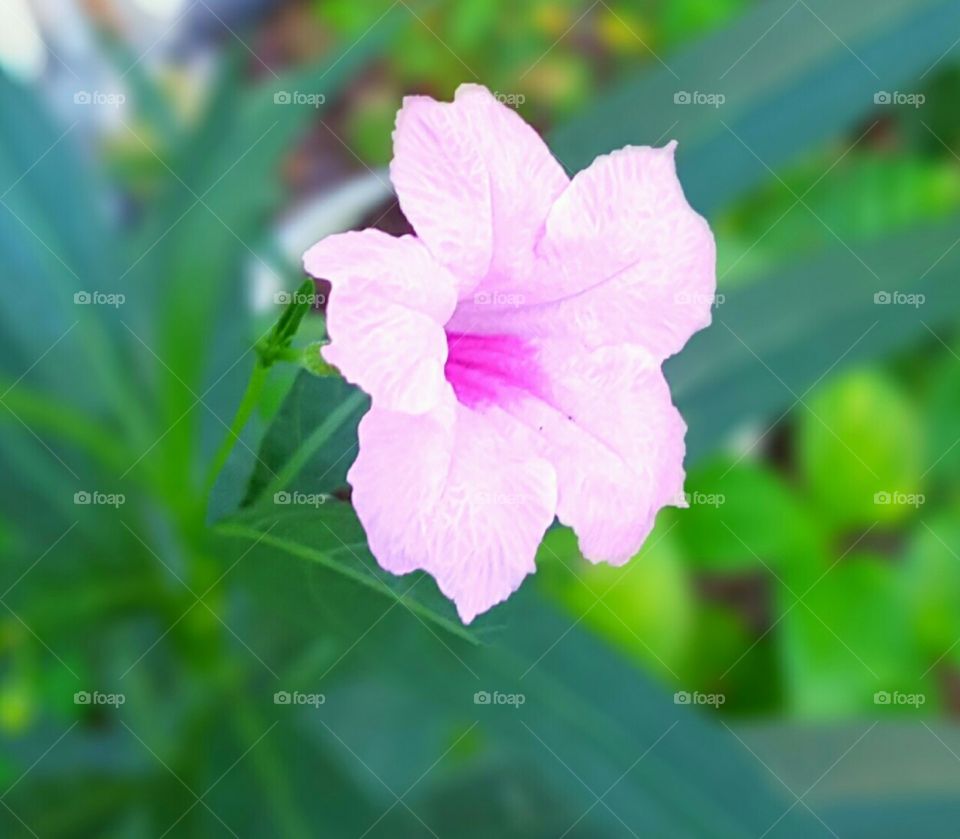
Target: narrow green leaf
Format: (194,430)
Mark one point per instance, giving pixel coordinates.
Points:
(792,75)
(326,532)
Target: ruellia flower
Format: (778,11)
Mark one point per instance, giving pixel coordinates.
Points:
(512,348)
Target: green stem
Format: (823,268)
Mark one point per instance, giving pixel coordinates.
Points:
(275,347)
(288,354)
(249,402)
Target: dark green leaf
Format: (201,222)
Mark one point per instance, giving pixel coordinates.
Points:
(792,74)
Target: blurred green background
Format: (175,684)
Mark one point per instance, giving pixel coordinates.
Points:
(190,650)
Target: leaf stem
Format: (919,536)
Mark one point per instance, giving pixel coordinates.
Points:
(248,404)
(277,346)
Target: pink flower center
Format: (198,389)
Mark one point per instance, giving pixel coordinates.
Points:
(490,369)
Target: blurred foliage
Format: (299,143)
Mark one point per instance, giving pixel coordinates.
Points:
(858,193)
(549,55)
(884,456)
(816,566)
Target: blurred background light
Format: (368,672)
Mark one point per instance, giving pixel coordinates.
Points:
(163,9)
(22,52)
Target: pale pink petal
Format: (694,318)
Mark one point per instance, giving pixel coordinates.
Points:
(388,304)
(513,351)
(605,420)
(624,259)
(620,458)
(602,416)
(476,182)
(455,493)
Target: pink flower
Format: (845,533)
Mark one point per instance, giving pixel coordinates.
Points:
(512,348)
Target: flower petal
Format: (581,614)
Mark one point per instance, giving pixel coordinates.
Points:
(607,423)
(476,182)
(624,258)
(454,493)
(649,261)
(388,304)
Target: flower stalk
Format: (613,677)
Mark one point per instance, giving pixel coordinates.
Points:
(275,346)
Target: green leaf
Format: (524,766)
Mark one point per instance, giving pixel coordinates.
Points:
(860,451)
(867,195)
(773,340)
(312,440)
(793,74)
(321,530)
(55,242)
(587,722)
(726,657)
(863,778)
(682,19)
(847,639)
(646,607)
(744,517)
(222,187)
(942,407)
(930,580)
